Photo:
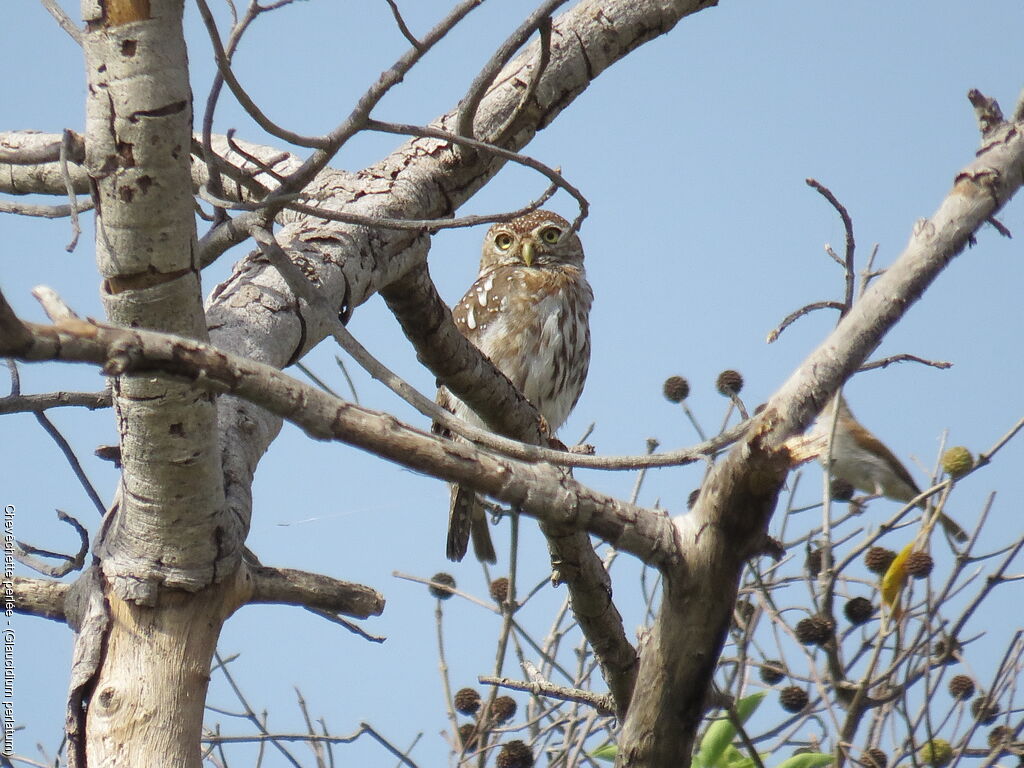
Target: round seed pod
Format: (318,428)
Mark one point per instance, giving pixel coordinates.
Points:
(793,698)
(878,559)
(499,589)
(729,382)
(772,671)
(514,754)
(873,757)
(957,462)
(438,588)
(919,565)
(676,389)
(814,630)
(858,610)
(961,687)
(936,752)
(467,701)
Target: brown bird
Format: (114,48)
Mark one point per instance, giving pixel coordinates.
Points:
(528,311)
(862,460)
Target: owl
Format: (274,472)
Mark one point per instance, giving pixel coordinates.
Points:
(528,311)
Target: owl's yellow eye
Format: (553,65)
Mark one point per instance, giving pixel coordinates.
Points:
(503,241)
(551,235)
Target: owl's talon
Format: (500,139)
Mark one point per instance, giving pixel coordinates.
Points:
(583,449)
(558,445)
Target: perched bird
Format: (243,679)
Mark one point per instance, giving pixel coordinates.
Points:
(862,460)
(528,311)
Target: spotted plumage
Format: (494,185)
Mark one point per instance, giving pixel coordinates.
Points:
(528,311)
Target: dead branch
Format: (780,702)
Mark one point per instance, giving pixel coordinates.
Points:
(903,357)
(45,401)
(40,597)
(312,590)
(850,243)
(483,80)
(25,553)
(792,317)
(540,491)
(34,148)
(604,704)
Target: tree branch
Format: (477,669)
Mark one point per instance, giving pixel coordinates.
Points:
(313,590)
(604,704)
(541,491)
(739,494)
(43,402)
(40,597)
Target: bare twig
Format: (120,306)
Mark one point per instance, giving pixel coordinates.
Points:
(805,310)
(53,305)
(25,552)
(471,101)
(212,98)
(317,380)
(42,211)
(72,459)
(1001,228)
(442,666)
(885,362)
(43,402)
(850,244)
(447,588)
(65,21)
(62,443)
(329,145)
(223,61)
(66,150)
(348,379)
(553,175)
(355,629)
(382,222)
(274,738)
(987,111)
(543,57)
(250,714)
(403,28)
(603,703)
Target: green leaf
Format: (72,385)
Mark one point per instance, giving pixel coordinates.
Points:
(807,760)
(717,737)
(721,733)
(606,752)
(746,707)
(733,758)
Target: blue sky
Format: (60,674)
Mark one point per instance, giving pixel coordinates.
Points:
(702,235)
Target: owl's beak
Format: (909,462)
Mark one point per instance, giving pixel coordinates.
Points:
(528,253)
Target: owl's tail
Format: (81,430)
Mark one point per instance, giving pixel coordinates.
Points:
(468,518)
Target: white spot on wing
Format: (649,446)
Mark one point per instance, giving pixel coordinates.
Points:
(470,317)
(483,290)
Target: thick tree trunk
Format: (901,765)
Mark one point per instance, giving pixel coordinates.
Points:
(148,705)
(164,540)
